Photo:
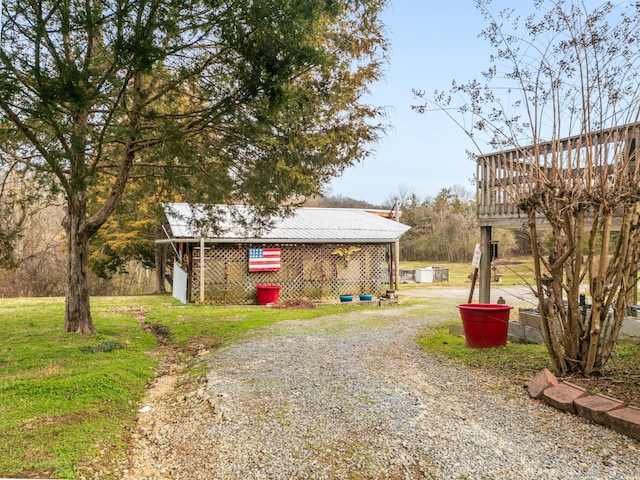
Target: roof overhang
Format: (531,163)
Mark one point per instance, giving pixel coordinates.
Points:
(277,240)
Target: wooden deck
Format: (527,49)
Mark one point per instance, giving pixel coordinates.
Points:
(506,178)
(503,176)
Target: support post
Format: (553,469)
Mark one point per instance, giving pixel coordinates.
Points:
(201,270)
(396,261)
(485,265)
(396,255)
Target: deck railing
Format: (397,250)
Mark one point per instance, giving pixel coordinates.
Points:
(506,178)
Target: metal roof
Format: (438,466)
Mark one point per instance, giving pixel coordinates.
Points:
(306,225)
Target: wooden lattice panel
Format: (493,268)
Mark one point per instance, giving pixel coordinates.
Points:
(307,270)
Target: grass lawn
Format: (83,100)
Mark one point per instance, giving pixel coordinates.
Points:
(61,398)
(515,271)
(67,399)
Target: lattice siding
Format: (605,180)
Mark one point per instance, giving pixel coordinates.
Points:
(307,270)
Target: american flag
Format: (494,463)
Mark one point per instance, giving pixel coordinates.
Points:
(264,259)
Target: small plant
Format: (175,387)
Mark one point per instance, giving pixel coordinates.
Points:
(103,347)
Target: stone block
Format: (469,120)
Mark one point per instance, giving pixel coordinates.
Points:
(529,319)
(516,330)
(533,335)
(626,421)
(538,384)
(383,302)
(514,339)
(595,407)
(630,330)
(563,395)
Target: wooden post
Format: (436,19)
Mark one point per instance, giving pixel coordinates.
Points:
(634,279)
(396,261)
(475,263)
(391,254)
(201,270)
(474,278)
(186,252)
(396,256)
(485,265)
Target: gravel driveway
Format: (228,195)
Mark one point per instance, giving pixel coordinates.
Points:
(352,396)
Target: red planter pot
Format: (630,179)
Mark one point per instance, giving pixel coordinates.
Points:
(485,324)
(268,294)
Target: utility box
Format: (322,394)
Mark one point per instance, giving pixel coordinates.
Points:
(424,275)
(431,275)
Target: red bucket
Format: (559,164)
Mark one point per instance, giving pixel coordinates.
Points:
(268,294)
(485,324)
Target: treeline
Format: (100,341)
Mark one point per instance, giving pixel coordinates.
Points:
(443,228)
(125,259)
(36,266)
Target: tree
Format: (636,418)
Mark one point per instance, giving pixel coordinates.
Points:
(442,228)
(338,201)
(13,213)
(243,101)
(37,266)
(128,236)
(562,93)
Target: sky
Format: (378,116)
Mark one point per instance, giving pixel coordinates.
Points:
(431,43)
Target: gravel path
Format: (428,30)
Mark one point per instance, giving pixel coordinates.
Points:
(353,396)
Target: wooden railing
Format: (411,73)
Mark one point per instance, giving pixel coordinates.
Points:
(505,178)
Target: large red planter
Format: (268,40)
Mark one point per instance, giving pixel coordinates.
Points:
(268,294)
(485,324)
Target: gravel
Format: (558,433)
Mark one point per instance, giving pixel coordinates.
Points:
(352,396)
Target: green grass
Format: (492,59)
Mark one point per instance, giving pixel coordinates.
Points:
(514,359)
(56,398)
(515,271)
(66,399)
(215,325)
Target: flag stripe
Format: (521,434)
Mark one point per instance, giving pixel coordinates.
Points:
(264,259)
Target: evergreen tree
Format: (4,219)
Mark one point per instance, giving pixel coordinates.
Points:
(241,101)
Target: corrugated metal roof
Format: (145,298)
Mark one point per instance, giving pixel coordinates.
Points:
(307,225)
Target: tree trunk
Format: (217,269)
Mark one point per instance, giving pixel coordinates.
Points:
(544,304)
(77,317)
(161,256)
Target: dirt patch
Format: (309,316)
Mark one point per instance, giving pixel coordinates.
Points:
(618,381)
(295,304)
(161,387)
(624,386)
(198,345)
(136,311)
(161,332)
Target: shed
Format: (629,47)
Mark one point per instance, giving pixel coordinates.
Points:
(316,253)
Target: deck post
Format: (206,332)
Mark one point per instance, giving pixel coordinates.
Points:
(396,253)
(202,271)
(485,265)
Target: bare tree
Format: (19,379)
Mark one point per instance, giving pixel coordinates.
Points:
(561,99)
